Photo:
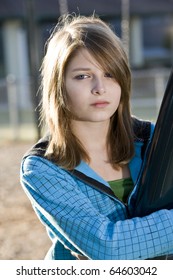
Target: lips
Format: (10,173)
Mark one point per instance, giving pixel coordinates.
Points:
(100,104)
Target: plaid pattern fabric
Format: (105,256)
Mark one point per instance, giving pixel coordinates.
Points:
(86,221)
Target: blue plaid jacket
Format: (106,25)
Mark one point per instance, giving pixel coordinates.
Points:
(89,222)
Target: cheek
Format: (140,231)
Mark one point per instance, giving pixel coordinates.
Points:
(74,100)
(118,96)
(70,93)
(76,96)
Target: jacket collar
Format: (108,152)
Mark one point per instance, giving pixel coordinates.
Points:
(83,167)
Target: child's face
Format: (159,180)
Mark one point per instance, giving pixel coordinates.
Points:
(92,94)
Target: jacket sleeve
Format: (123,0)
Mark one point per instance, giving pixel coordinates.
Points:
(69,213)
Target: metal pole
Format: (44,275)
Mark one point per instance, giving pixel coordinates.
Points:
(63,7)
(125,22)
(34,61)
(13,105)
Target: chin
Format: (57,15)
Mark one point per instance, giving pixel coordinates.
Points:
(99,119)
(94,118)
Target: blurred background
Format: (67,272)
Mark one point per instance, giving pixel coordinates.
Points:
(146,29)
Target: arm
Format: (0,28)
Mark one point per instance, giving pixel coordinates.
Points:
(82,228)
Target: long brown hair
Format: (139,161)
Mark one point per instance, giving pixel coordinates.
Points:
(70,34)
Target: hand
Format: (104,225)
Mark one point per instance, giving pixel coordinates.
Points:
(78,256)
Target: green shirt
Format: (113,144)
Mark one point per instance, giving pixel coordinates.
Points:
(122,188)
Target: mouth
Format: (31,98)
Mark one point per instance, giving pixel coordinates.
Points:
(100,104)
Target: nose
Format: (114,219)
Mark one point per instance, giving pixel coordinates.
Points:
(98,87)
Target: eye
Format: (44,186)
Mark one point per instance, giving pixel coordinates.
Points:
(81,77)
(108,75)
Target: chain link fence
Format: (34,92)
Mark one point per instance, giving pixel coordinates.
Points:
(17,112)
(148,87)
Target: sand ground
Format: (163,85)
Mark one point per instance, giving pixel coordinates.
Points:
(22,236)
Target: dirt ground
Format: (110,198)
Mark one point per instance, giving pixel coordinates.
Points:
(22,236)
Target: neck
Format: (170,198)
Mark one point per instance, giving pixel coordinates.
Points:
(93,135)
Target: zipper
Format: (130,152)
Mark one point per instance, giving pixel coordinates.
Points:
(97,185)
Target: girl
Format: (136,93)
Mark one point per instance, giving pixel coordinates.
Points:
(80,178)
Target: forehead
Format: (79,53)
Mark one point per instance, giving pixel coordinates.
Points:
(82,58)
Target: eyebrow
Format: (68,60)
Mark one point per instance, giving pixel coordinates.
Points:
(81,69)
